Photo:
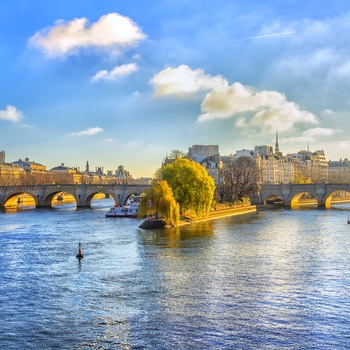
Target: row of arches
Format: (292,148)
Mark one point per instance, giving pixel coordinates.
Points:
(306,199)
(61,199)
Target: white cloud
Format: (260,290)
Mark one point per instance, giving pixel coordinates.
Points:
(311,135)
(116,73)
(315,132)
(241,122)
(183,81)
(136,94)
(271,109)
(11,114)
(282,118)
(318,54)
(327,111)
(110,31)
(87,132)
(295,140)
(28,126)
(225,102)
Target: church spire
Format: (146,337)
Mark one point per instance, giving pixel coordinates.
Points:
(277,148)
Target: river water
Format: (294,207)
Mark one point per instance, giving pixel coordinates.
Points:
(268,280)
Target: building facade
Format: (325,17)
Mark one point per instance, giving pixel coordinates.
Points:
(209,157)
(339,171)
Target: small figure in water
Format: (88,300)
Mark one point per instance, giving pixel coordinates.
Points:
(80,254)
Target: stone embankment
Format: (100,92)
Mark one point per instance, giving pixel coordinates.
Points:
(220,212)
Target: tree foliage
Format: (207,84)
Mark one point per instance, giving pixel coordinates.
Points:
(193,188)
(303,176)
(301,179)
(159,200)
(241,178)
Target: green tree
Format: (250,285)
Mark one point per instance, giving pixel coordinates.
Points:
(159,200)
(193,188)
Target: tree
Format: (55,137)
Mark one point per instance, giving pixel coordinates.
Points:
(159,200)
(158,174)
(302,177)
(241,176)
(175,153)
(193,188)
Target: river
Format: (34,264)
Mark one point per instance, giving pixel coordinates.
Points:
(268,280)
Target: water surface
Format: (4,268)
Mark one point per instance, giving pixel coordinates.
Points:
(267,280)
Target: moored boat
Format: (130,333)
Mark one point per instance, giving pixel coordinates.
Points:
(127,211)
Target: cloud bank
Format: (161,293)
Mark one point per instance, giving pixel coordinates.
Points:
(11,114)
(110,31)
(269,110)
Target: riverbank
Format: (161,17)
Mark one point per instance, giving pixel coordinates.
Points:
(190,218)
(219,213)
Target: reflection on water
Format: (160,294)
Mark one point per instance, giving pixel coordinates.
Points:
(268,280)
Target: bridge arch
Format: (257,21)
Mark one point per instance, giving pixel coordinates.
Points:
(273,199)
(303,199)
(20,200)
(82,193)
(48,199)
(86,202)
(323,193)
(120,198)
(337,196)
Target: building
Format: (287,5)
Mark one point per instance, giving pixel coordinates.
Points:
(65,174)
(29,165)
(2,157)
(123,176)
(198,153)
(214,167)
(11,174)
(310,166)
(339,171)
(209,157)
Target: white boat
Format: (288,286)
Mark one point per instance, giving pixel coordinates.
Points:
(125,211)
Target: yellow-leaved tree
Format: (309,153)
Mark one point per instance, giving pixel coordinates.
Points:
(159,201)
(192,187)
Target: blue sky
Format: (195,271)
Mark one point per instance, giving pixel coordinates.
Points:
(120,82)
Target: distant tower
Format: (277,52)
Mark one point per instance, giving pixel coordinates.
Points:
(87,169)
(277,148)
(2,156)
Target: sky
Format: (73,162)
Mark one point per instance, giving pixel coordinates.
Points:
(118,82)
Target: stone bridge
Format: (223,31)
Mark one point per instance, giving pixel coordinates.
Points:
(291,193)
(83,194)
